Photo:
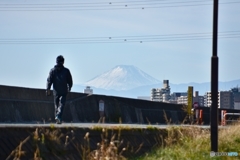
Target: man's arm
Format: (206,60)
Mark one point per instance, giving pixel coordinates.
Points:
(69,81)
(49,83)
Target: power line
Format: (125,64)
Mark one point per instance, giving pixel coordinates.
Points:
(103,3)
(121,39)
(111,37)
(82,7)
(103,6)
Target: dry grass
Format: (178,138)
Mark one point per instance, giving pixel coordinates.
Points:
(175,143)
(194,143)
(18,152)
(52,142)
(108,149)
(229,138)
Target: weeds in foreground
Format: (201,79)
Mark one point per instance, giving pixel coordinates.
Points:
(186,142)
(18,152)
(168,121)
(53,144)
(194,143)
(107,149)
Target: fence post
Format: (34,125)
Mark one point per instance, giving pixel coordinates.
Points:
(223,117)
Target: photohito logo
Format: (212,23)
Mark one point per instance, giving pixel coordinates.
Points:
(212,154)
(217,154)
(232,154)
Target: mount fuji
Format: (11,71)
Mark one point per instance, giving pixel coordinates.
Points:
(122,77)
(129,81)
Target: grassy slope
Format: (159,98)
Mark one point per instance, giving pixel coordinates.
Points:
(194,144)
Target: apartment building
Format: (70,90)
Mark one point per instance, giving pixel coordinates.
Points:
(236,97)
(196,99)
(225,99)
(161,94)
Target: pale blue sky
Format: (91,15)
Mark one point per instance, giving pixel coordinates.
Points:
(180,61)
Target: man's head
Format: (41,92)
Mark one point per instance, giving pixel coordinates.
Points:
(60,60)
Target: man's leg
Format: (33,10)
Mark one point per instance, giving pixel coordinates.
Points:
(56,105)
(62,100)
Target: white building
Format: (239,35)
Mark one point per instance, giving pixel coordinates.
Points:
(175,95)
(207,99)
(196,99)
(161,94)
(88,90)
(144,98)
(182,100)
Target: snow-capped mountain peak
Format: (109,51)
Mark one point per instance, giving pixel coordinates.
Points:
(122,77)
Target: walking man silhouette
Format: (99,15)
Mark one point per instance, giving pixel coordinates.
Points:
(61,79)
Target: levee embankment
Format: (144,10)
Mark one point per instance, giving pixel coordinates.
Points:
(21,106)
(24,105)
(29,106)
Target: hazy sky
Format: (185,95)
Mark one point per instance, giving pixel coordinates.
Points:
(94,36)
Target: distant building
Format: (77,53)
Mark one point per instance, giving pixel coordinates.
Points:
(236,97)
(198,99)
(88,90)
(237,105)
(172,101)
(183,99)
(175,95)
(225,99)
(207,99)
(161,94)
(144,98)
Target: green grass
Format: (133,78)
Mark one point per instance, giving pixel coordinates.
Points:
(193,143)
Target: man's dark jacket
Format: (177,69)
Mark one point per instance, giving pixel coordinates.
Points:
(61,79)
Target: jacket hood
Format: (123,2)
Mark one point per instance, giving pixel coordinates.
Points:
(59,66)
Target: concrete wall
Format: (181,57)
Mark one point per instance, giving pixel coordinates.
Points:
(27,105)
(20,105)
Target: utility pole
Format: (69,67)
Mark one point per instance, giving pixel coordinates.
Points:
(214,81)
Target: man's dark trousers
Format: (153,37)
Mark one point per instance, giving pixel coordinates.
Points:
(59,103)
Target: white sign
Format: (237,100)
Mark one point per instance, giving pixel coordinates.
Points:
(101,105)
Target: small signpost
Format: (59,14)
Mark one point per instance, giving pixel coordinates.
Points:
(101,110)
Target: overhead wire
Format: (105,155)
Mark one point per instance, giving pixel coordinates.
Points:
(84,3)
(104,3)
(107,5)
(120,39)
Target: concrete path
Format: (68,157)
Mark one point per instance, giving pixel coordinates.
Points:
(93,125)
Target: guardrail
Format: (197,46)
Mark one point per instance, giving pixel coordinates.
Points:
(223,117)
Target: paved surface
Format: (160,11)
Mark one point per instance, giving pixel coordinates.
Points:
(92,125)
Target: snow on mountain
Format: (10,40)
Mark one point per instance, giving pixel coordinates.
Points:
(122,77)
